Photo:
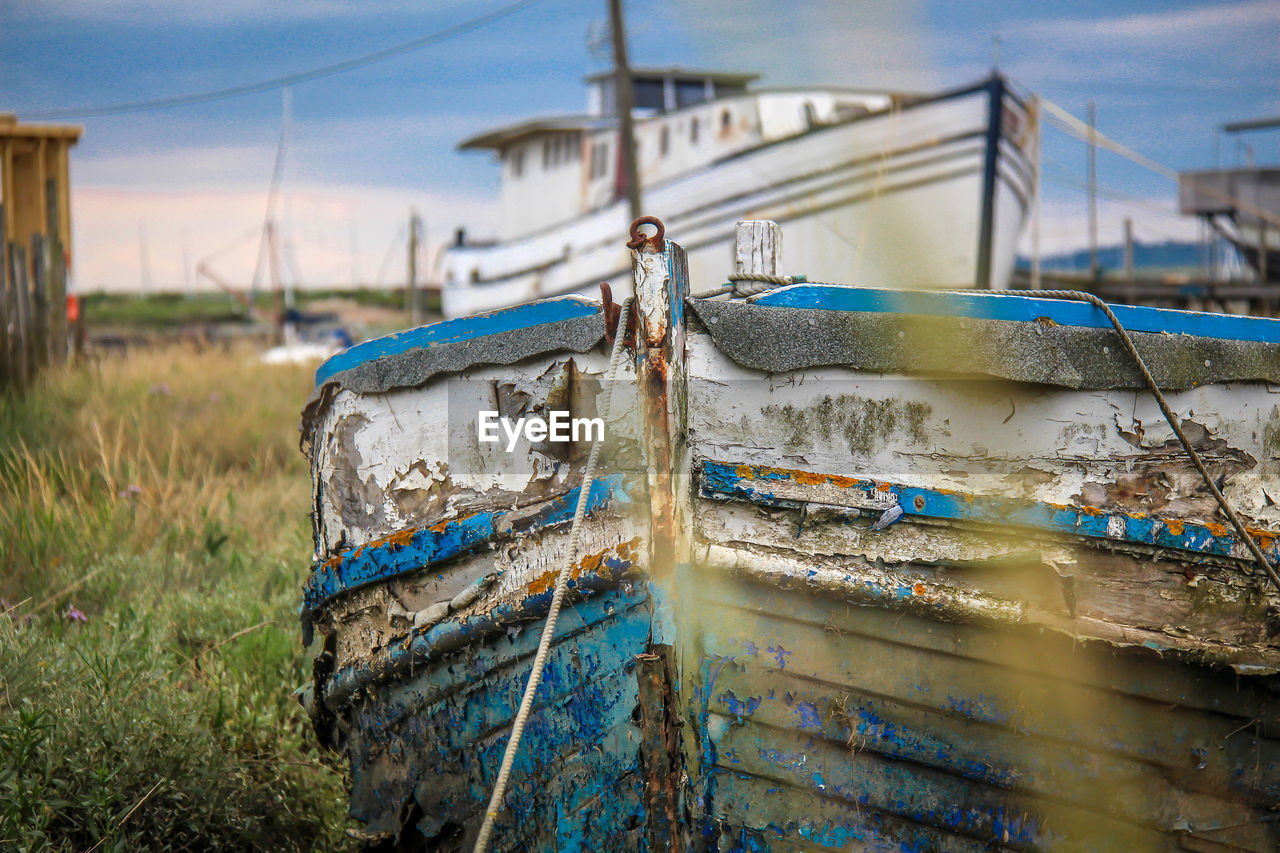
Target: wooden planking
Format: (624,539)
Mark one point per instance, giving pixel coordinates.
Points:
(943,703)
(758,816)
(439,736)
(1046,774)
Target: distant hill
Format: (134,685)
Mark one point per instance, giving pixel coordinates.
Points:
(1169,257)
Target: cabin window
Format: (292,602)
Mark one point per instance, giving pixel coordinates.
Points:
(517,163)
(649,93)
(725,120)
(599,159)
(664,141)
(546,153)
(693,131)
(690,92)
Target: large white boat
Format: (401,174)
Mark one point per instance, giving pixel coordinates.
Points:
(878,188)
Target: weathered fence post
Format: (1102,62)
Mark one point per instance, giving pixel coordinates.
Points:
(57,276)
(22,306)
(5,372)
(757,248)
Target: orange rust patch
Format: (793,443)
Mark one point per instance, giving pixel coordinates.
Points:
(1174,526)
(746,472)
(400,537)
(918,589)
(590,563)
(884,487)
(1215,528)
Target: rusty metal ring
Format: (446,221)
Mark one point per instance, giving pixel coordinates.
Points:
(638,240)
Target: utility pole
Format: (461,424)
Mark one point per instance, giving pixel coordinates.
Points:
(624,101)
(1128,248)
(1035,200)
(411,285)
(1095,269)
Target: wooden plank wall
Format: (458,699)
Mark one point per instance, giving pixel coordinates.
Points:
(35,236)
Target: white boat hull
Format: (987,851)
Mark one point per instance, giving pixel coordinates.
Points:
(894,199)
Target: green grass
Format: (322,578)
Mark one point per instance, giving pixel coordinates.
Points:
(161,310)
(163,498)
(158,311)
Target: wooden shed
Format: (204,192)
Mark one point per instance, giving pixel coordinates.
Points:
(35,219)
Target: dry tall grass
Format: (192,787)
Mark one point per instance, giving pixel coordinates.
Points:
(153,538)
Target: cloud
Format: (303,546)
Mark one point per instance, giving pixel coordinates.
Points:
(1167,30)
(222,13)
(1207,48)
(870,43)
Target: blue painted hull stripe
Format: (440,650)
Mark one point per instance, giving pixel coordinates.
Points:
(411,550)
(461,329)
(421,645)
(1007,305)
(753,483)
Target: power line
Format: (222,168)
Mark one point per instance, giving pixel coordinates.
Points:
(288,79)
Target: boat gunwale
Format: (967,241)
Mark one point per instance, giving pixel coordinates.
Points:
(393,555)
(1010,305)
(731,480)
(418,646)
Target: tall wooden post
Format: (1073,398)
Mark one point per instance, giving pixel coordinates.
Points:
(1034,111)
(57,270)
(1128,248)
(22,313)
(1262,250)
(1095,268)
(5,377)
(624,103)
(411,276)
(39,342)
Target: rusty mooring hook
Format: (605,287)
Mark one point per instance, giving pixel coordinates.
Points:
(643,243)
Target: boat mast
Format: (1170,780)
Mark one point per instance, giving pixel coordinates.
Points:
(623,102)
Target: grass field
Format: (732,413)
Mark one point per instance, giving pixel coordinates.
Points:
(153,539)
(158,311)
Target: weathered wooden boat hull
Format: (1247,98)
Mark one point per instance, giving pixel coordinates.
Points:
(425,746)
(1058,645)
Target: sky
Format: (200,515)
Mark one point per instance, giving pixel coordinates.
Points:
(156,192)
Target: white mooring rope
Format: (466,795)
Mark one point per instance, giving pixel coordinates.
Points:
(562,581)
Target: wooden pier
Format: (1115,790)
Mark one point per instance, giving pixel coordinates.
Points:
(1239,296)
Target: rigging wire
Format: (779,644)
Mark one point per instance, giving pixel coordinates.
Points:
(1073,126)
(288,79)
